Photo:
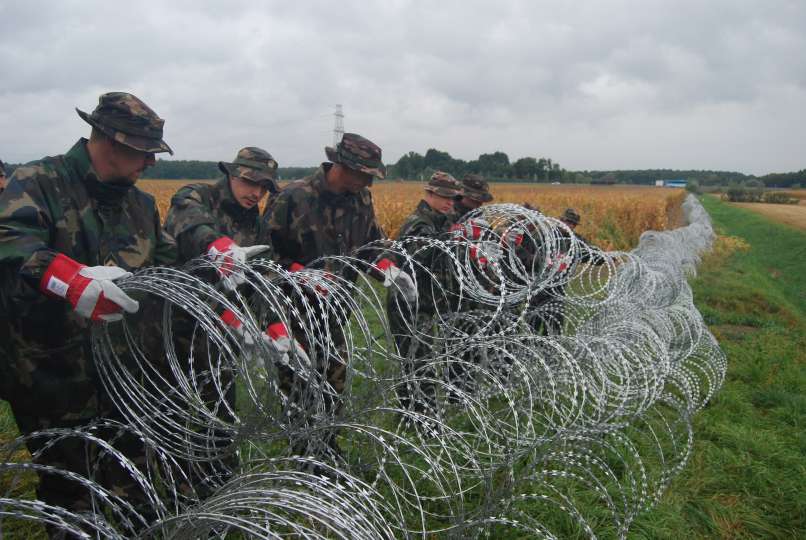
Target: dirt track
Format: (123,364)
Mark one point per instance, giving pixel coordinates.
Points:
(793,215)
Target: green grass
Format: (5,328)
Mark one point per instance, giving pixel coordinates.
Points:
(747,474)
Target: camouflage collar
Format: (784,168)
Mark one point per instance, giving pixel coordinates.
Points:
(437,218)
(79,159)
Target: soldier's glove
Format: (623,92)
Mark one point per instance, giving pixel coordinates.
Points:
(288,349)
(89,289)
(513,236)
(392,275)
(228,258)
(471,229)
(234,323)
(485,253)
(319,281)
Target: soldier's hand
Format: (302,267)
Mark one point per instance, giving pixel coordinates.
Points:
(513,236)
(319,280)
(471,229)
(486,253)
(392,275)
(234,323)
(89,289)
(229,258)
(288,349)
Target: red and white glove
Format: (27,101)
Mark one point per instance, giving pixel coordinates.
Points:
(287,348)
(513,236)
(559,262)
(228,258)
(485,253)
(471,229)
(89,289)
(318,278)
(233,322)
(392,275)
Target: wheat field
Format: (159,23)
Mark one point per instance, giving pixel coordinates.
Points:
(613,217)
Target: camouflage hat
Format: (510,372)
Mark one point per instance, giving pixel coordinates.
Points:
(127,120)
(358,153)
(253,164)
(571,216)
(444,185)
(476,188)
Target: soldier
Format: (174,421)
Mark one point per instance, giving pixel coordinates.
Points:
(548,303)
(331,213)
(220,221)
(432,218)
(70,226)
(2,176)
(475,192)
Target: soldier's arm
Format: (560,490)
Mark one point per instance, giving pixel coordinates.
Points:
(26,222)
(166,253)
(281,228)
(191,223)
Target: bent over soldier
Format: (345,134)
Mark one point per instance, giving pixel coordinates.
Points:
(220,221)
(70,226)
(410,326)
(331,213)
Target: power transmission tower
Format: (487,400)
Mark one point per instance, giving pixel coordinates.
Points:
(338,129)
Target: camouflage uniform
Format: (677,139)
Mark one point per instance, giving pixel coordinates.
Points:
(424,222)
(199,215)
(473,187)
(202,213)
(59,206)
(308,221)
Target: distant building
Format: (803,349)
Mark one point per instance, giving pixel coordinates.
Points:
(679,183)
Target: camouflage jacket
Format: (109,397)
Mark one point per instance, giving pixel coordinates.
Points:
(202,213)
(58,205)
(461,210)
(425,222)
(306,221)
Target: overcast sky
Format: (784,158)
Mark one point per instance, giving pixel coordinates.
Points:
(592,84)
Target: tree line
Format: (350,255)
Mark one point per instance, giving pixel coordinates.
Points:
(495,166)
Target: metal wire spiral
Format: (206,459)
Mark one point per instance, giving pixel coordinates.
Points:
(551,390)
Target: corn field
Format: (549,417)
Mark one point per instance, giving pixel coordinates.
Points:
(613,217)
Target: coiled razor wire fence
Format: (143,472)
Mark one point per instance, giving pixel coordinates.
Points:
(537,387)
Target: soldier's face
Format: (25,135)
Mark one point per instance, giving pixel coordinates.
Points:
(346,179)
(471,203)
(247,193)
(443,205)
(2,181)
(125,164)
(571,224)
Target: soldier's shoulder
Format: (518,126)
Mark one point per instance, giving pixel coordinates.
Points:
(298,190)
(45,168)
(195,192)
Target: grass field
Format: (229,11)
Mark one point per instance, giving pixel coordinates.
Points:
(746,477)
(613,217)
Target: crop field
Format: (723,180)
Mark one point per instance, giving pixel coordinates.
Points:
(613,217)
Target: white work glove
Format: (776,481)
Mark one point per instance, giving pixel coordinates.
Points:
(486,253)
(89,289)
(392,275)
(228,258)
(234,323)
(288,349)
(471,229)
(559,262)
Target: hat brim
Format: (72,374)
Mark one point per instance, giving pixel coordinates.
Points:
(143,144)
(443,192)
(333,156)
(480,196)
(250,174)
